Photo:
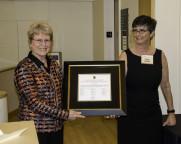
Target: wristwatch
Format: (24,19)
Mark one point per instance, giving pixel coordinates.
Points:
(171,111)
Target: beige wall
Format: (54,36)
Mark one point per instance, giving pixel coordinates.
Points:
(8,35)
(109,48)
(78,32)
(72,22)
(98,30)
(168,38)
(103,21)
(7,84)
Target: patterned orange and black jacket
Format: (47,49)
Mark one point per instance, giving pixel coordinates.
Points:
(40,93)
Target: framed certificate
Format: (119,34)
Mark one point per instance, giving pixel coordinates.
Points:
(95,87)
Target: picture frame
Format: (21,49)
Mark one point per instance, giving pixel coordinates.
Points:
(56,56)
(95,88)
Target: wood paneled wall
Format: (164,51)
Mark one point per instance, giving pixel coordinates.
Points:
(145,7)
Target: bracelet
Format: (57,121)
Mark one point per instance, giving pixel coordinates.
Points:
(171,111)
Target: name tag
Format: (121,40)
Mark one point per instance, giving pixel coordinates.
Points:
(147,59)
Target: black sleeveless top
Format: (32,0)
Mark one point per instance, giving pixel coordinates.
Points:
(142,82)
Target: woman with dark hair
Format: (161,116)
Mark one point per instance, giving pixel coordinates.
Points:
(146,70)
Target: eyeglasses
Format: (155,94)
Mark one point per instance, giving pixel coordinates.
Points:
(141,31)
(41,41)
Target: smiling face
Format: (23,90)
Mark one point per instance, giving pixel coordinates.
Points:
(40,38)
(142,35)
(143,28)
(40,45)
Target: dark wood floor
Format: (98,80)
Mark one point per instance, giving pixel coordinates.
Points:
(91,130)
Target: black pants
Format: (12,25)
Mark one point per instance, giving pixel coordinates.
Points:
(51,137)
